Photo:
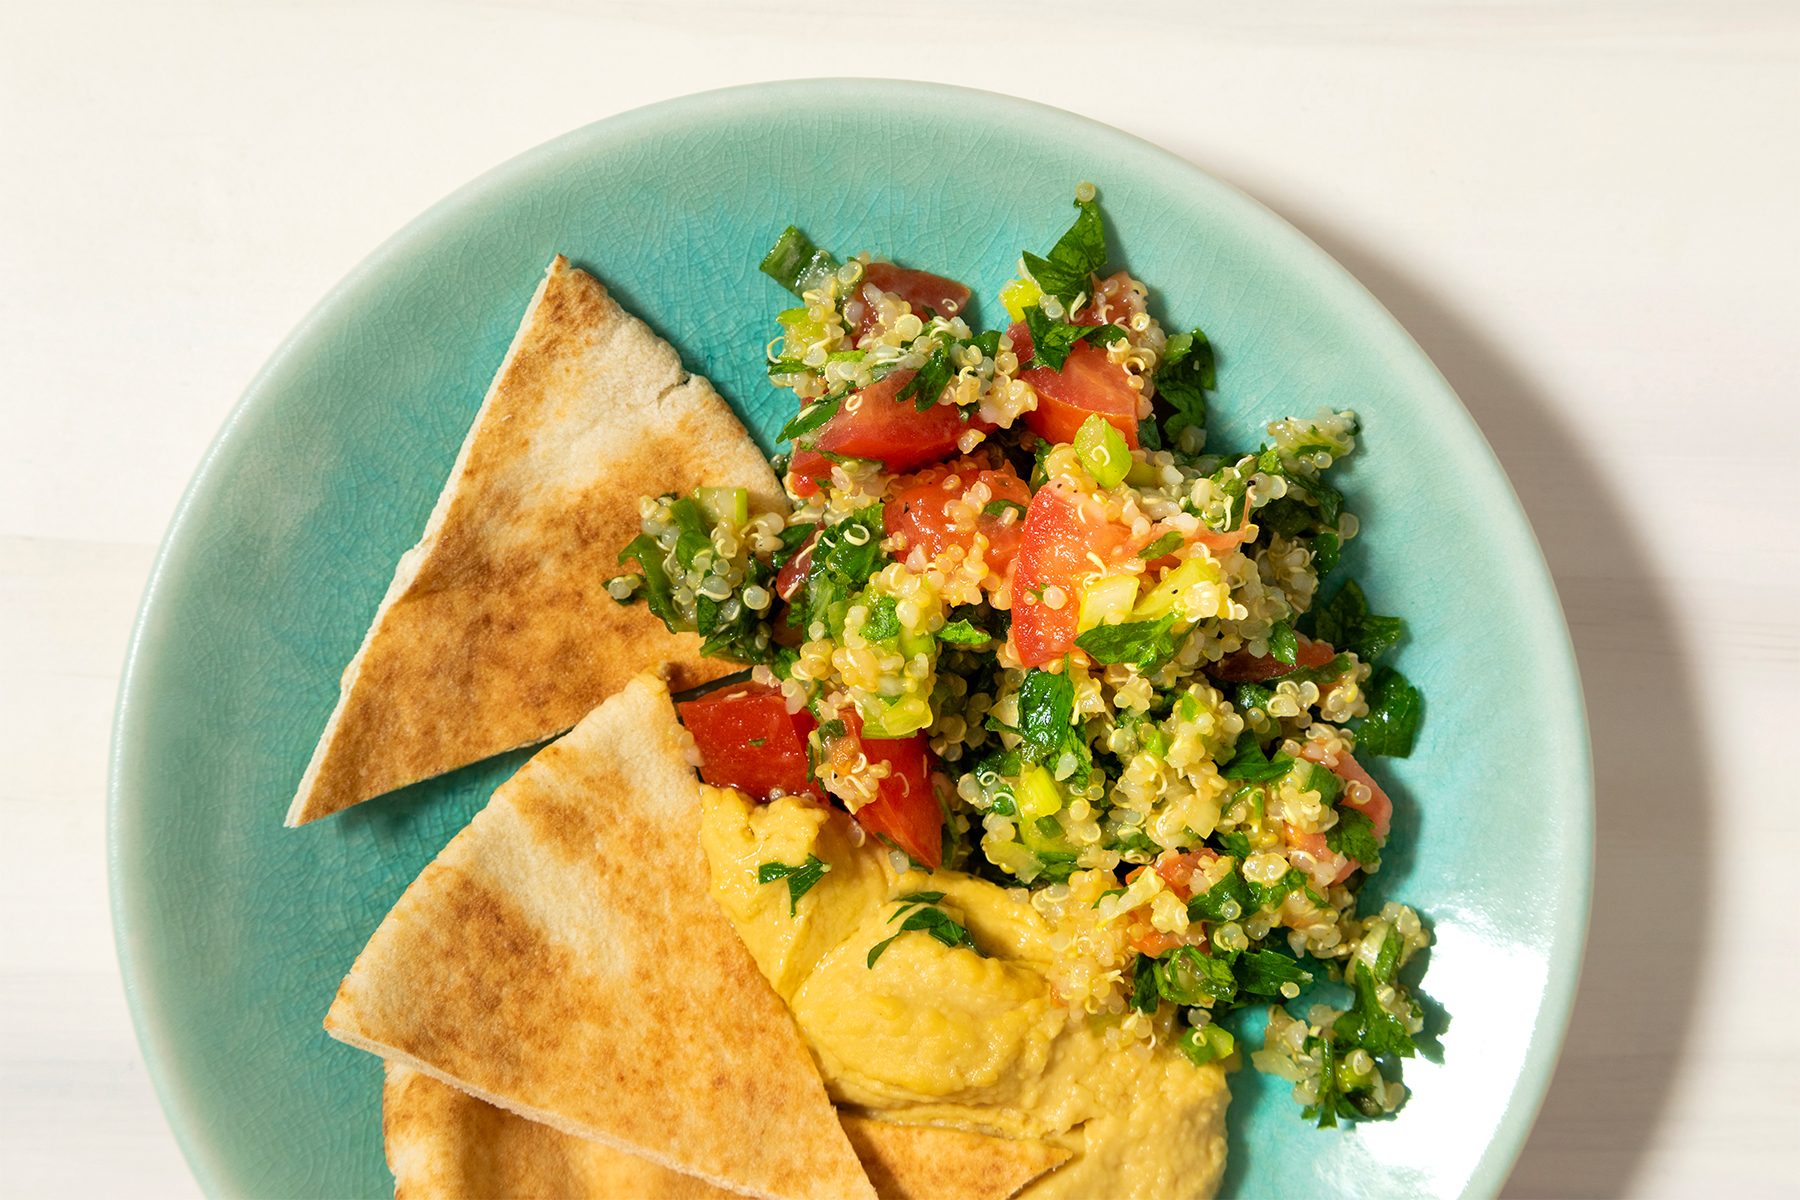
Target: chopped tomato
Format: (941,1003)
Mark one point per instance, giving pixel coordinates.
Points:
(1333,867)
(749,740)
(905,808)
(927,293)
(793,572)
(1378,807)
(1146,939)
(1178,870)
(873,424)
(808,470)
(1088,383)
(1062,530)
(918,509)
(1114,302)
(1241,666)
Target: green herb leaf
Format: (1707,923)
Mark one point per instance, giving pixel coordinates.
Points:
(658,592)
(1395,710)
(1346,622)
(929,382)
(1237,845)
(1251,765)
(1146,645)
(1077,256)
(962,633)
(1284,645)
(1319,780)
(925,919)
(1187,977)
(1047,719)
(1186,374)
(810,418)
(1052,341)
(1371,1026)
(1206,1043)
(800,879)
(883,624)
(795,263)
(1262,972)
(1168,543)
(1119,891)
(1270,895)
(1325,550)
(1144,995)
(1354,837)
(843,558)
(1226,900)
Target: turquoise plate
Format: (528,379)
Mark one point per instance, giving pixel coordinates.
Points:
(233,932)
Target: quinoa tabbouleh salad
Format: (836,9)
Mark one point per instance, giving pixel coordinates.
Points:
(1026,623)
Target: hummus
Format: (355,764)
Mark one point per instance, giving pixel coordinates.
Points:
(972,1037)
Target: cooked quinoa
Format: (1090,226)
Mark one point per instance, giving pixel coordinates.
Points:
(1030,623)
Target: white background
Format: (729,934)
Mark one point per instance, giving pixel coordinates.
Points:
(1585,212)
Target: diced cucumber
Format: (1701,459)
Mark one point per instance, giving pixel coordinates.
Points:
(1107,598)
(1037,795)
(1103,451)
(725,506)
(1206,1044)
(1166,597)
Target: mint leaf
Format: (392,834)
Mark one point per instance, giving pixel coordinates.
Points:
(1186,374)
(1284,644)
(1146,645)
(1047,719)
(1078,255)
(1395,709)
(1346,622)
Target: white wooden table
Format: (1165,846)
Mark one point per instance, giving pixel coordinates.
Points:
(1586,213)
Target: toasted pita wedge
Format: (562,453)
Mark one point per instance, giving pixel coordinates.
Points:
(497,631)
(443,1144)
(563,958)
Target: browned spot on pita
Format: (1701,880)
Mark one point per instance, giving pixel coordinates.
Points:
(497,631)
(563,958)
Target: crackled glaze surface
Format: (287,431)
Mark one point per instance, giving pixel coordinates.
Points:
(234,931)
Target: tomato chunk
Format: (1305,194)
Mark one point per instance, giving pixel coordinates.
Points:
(919,508)
(794,571)
(905,808)
(1061,530)
(1088,383)
(1241,666)
(873,424)
(1178,870)
(1378,807)
(749,740)
(927,293)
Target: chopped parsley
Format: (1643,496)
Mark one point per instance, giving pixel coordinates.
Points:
(1251,765)
(1168,543)
(1395,710)
(1346,622)
(1354,837)
(800,879)
(962,633)
(922,917)
(883,624)
(1052,341)
(1187,373)
(1047,731)
(810,418)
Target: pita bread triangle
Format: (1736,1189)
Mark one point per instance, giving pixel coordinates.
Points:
(443,1144)
(497,631)
(563,958)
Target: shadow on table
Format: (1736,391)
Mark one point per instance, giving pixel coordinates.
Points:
(1634,1013)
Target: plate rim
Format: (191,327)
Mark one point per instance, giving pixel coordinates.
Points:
(124,793)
